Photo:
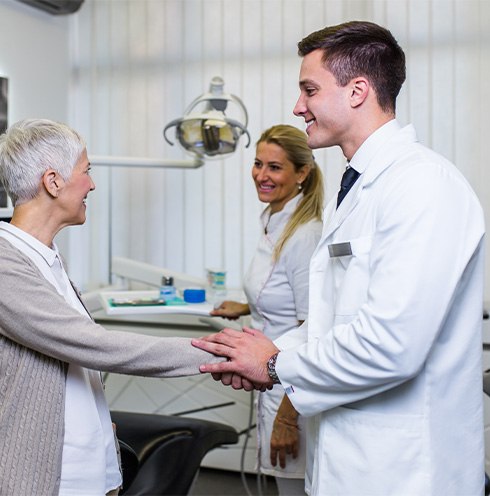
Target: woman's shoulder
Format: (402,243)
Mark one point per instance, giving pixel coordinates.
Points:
(11,256)
(305,237)
(311,228)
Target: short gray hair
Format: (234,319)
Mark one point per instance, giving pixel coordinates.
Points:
(32,146)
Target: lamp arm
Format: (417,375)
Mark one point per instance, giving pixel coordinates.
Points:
(145,162)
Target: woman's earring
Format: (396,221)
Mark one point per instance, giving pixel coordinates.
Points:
(300,187)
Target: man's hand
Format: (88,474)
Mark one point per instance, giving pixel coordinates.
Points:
(247,353)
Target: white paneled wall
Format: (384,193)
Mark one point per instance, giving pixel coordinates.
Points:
(138,63)
(35,59)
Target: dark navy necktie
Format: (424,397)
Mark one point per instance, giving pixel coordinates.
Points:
(348,179)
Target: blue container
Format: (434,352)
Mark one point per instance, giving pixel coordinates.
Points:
(192,295)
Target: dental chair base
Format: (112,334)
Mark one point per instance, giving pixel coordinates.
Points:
(161,454)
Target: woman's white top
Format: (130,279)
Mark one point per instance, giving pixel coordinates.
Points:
(89,462)
(277,294)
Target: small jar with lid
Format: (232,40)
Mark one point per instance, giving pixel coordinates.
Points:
(167,289)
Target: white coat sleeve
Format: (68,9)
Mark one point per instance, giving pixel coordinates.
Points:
(293,338)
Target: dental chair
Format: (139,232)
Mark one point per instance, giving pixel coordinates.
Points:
(161,454)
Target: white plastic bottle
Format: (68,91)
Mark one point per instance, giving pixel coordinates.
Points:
(167,289)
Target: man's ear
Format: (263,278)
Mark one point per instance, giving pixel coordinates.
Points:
(53,182)
(359,91)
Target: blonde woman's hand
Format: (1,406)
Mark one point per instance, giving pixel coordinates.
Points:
(285,434)
(230,310)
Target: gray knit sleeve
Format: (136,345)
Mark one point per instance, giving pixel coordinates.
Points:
(34,315)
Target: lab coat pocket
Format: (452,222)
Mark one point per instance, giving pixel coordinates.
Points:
(351,274)
(370,453)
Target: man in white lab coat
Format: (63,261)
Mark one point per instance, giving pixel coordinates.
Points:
(391,374)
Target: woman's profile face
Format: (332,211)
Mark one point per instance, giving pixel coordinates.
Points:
(75,191)
(275,177)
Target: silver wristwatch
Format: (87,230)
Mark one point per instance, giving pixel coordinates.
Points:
(271,369)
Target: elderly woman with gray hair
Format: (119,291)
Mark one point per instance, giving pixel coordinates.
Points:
(56,431)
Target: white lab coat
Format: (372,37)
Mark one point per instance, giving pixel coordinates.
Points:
(277,294)
(391,373)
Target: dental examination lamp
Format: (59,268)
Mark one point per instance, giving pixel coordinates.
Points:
(204,131)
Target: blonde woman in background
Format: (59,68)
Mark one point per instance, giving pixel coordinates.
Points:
(276,285)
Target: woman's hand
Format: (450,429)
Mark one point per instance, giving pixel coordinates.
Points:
(230,310)
(285,433)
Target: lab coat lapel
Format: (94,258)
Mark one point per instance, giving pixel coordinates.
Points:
(337,215)
(333,217)
(381,160)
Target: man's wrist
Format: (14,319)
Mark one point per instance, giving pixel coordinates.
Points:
(271,369)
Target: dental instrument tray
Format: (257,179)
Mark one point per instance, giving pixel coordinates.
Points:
(149,302)
(135,302)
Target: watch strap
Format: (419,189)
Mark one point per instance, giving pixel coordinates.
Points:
(271,369)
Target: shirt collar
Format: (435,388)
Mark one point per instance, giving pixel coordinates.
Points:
(49,254)
(277,219)
(367,150)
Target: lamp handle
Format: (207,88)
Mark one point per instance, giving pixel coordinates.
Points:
(169,125)
(240,126)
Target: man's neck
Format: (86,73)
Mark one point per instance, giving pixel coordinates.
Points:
(366,129)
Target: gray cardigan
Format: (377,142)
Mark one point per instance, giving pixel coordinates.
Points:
(39,335)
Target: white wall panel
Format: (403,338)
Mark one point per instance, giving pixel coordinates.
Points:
(156,99)
(137,65)
(212,215)
(419,66)
(271,53)
(35,59)
(467,85)
(292,32)
(250,17)
(169,214)
(481,122)
(233,201)
(193,84)
(442,95)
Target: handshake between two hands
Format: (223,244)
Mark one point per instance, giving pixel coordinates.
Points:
(247,354)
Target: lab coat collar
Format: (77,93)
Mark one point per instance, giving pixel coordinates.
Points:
(363,156)
(380,150)
(274,223)
(376,154)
